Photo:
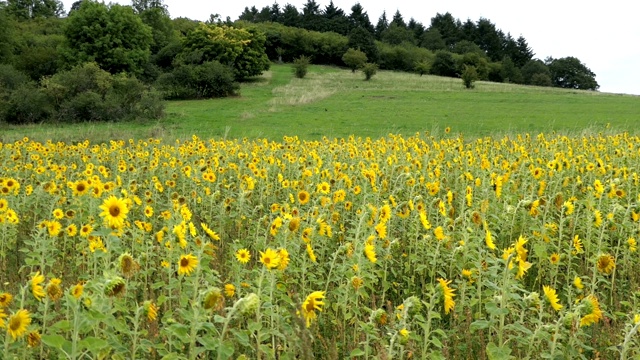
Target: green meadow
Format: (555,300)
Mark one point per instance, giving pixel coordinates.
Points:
(335,102)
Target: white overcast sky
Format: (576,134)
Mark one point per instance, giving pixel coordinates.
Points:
(604,35)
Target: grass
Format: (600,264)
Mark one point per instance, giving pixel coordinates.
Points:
(334,102)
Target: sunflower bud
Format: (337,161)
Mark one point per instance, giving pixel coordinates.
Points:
(248,305)
(115,287)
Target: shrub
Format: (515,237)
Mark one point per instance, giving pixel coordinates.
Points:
(301,66)
(541,79)
(354,59)
(422,67)
(469,76)
(210,79)
(369,69)
(27,104)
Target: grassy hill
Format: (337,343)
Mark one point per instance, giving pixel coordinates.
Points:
(337,103)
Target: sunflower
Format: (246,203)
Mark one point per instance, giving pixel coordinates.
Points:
(310,252)
(489,240)
(114,211)
(187,264)
(605,263)
(439,233)
(5,299)
(128,265)
(213,299)
(294,224)
(283,254)
(58,214)
(53,289)
(115,287)
(18,322)
(270,258)
(381,230)
(33,338)
(312,303)
(150,310)
(577,282)
(80,188)
(229,290)
(71,230)
(2,317)
(243,256)
(592,310)
(448,294)
(77,290)
(303,197)
(370,252)
(551,295)
(36,289)
(86,230)
(577,245)
(4,205)
(554,258)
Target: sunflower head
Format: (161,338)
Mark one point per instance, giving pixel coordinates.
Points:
(5,299)
(270,258)
(187,264)
(243,256)
(150,310)
(249,304)
(17,323)
(114,212)
(213,299)
(128,266)
(54,291)
(605,263)
(115,287)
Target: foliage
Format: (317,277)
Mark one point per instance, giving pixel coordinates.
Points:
(198,81)
(570,73)
(84,93)
(290,43)
(422,67)
(301,66)
(369,69)
(510,72)
(363,40)
(112,36)
(36,47)
(478,61)
(443,64)
(354,59)
(243,49)
(469,76)
(402,57)
(532,68)
(34,9)
(162,29)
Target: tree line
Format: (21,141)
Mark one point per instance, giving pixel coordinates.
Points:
(81,65)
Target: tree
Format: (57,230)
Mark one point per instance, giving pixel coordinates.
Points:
(570,73)
(432,40)
(161,26)
(301,66)
(32,9)
(417,28)
(469,76)
(6,34)
(397,34)
(354,59)
(290,16)
(489,39)
(359,18)
(510,72)
(242,49)
(335,20)
(311,18)
(448,27)
(422,67)
(112,36)
(382,25)
(249,15)
(369,69)
(533,68)
(398,20)
(443,64)
(142,5)
(361,39)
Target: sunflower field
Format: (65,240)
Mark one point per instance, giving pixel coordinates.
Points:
(423,247)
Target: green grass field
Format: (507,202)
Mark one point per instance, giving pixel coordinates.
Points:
(334,102)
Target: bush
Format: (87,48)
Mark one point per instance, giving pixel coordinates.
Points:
(469,76)
(444,64)
(541,79)
(422,67)
(27,104)
(84,93)
(208,80)
(301,66)
(354,59)
(369,69)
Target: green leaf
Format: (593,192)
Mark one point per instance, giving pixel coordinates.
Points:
(356,352)
(494,310)
(495,352)
(93,344)
(55,341)
(479,325)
